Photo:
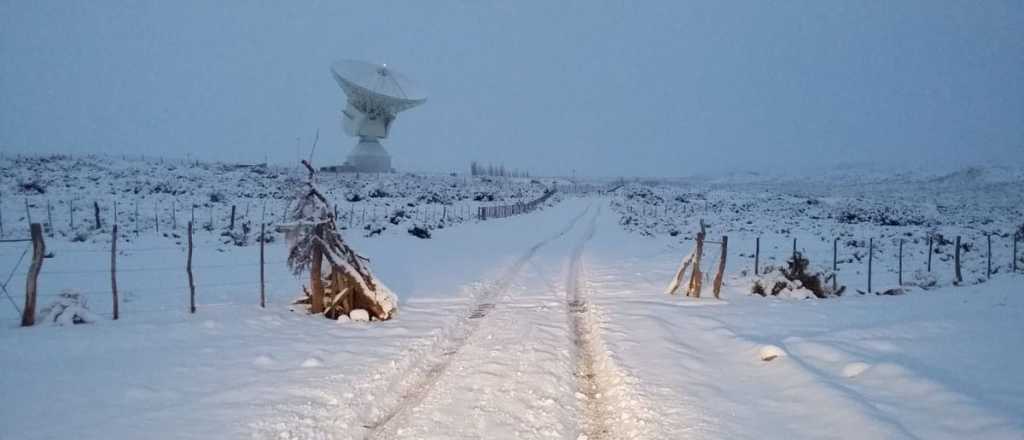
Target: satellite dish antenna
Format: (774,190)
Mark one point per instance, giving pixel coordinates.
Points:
(376,94)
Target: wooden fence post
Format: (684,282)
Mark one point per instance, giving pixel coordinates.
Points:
(188,268)
(156,217)
(49,218)
(989,271)
(28,212)
(835,264)
(871,254)
(901,263)
(1,217)
(174,215)
(231,226)
(96,213)
(263,287)
(1014,250)
(71,212)
(28,315)
(721,266)
(959,276)
(794,249)
(113,268)
(929,253)
(757,255)
(136,218)
(696,280)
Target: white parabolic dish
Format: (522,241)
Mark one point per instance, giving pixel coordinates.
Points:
(376,89)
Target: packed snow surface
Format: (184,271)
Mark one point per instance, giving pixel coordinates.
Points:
(552,325)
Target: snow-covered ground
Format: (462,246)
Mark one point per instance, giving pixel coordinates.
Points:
(553,324)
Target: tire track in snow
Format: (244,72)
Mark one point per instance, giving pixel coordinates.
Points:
(607,413)
(412,390)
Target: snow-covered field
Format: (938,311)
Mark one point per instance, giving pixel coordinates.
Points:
(553,324)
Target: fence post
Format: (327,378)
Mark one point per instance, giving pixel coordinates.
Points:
(96,213)
(156,216)
(871,254)
(1014,250)
(136,218)
(49,217)
(188,268)
(263,287)
(959,276)
(113,268)
(989,271)
(929,253)
(231,226)
(28,212)
(71,212)
(835,264)
(721,266)
(794,249)
(696,279)
(28,315)
(757,255)
(901,263)
(174,215)
(1,217)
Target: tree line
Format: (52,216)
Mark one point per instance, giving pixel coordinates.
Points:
(476,169)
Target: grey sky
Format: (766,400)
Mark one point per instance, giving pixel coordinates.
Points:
(609,88)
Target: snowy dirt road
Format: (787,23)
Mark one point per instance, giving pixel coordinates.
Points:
(513,367)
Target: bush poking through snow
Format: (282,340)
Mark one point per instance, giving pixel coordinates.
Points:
(69,308)
(419,232)
(796,278)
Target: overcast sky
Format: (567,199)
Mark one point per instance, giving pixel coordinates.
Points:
(660,88)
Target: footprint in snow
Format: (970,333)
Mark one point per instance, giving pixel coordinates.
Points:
(264,361)
(854,369)
(312,362)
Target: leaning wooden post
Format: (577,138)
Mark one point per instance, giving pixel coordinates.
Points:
(901,263)
(188,268)
(113,268)
(96,213)
(989,271)
(757,254)
(721,266)
(871,254)
(959,276)
(231,226)
(28,315)
(263,286)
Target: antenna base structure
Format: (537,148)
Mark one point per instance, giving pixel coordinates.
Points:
(376,94)
(368,156)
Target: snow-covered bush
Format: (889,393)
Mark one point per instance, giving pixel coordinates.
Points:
(795,280)
(68,308)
